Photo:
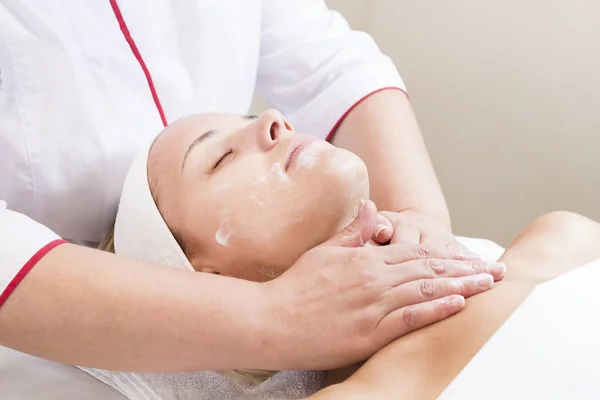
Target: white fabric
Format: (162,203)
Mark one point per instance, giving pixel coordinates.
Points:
(487,249)
(209,385)
(24,377)
(75,106)
(20,239)
(548,348)
(140,231)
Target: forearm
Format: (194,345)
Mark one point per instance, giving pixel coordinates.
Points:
(383,131)
(420,365)
(85,307)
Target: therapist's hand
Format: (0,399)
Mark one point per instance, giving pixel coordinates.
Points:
(413,226)
(340,302)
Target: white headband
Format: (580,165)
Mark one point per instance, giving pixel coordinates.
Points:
(140,231)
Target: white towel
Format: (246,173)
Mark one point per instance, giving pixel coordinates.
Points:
(210,385)
(141,233)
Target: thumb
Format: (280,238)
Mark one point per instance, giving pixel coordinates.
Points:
(360,230)
(385,230)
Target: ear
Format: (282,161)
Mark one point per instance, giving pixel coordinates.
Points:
(201,264)
(209,270)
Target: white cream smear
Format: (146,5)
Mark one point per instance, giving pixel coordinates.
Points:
(225,231)
(360,187)
(256,199)
(278,172)
(350,167)
(309,156)
(222,238)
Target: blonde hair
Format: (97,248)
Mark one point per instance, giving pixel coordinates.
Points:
(250,376)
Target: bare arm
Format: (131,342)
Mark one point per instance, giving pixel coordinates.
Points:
(383,131)
(420,365)
(129,315)
(85,307)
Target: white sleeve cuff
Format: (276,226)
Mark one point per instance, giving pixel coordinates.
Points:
(22,243)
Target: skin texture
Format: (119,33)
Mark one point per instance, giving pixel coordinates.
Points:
(252,216)
(421,364)
(178,323)
(383,131)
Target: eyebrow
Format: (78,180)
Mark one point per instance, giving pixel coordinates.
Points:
(196,142)
(207,135)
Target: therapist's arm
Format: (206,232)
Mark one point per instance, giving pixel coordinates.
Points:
(94,309)
(90,308)
(334,82)
(383,131)
(422,364)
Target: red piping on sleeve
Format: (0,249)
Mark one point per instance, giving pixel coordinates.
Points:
(26,268)
(331,134)
(138,56)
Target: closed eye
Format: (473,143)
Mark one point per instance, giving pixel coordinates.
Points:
(222,158)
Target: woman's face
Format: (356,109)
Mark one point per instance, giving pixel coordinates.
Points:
(247,195)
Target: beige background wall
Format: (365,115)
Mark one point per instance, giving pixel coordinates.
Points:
(508,96)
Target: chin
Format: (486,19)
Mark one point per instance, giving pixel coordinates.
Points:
(352,181)
(351,169)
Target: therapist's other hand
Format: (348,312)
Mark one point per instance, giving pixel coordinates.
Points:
(342,302)
(413,226)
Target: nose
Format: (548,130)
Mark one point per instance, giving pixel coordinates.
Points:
(271,126)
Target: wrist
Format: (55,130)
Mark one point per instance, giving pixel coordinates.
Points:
(272,310)
(442,216)
(439,214)
(395,199)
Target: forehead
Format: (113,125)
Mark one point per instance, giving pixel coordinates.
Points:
(176,138)
(185,130)
(170,146)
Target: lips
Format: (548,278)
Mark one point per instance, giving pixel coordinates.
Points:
(297,145)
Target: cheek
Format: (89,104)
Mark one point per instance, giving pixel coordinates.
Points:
(338,180)
(268,229)
(262,225)
(248,217)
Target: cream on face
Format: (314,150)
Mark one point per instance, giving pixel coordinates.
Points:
(254,196)
(227,225)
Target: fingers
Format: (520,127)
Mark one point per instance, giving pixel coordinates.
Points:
(383,230)
(447,241)
(456,246)
(407,319)
(360,230)
(435,268)
(419,303)
(424,290)
(403,252)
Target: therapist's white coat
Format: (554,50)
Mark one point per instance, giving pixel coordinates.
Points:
(75,103)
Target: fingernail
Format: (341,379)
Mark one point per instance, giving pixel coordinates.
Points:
(497,268)
(380,228)
(456,301)
(482,281)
